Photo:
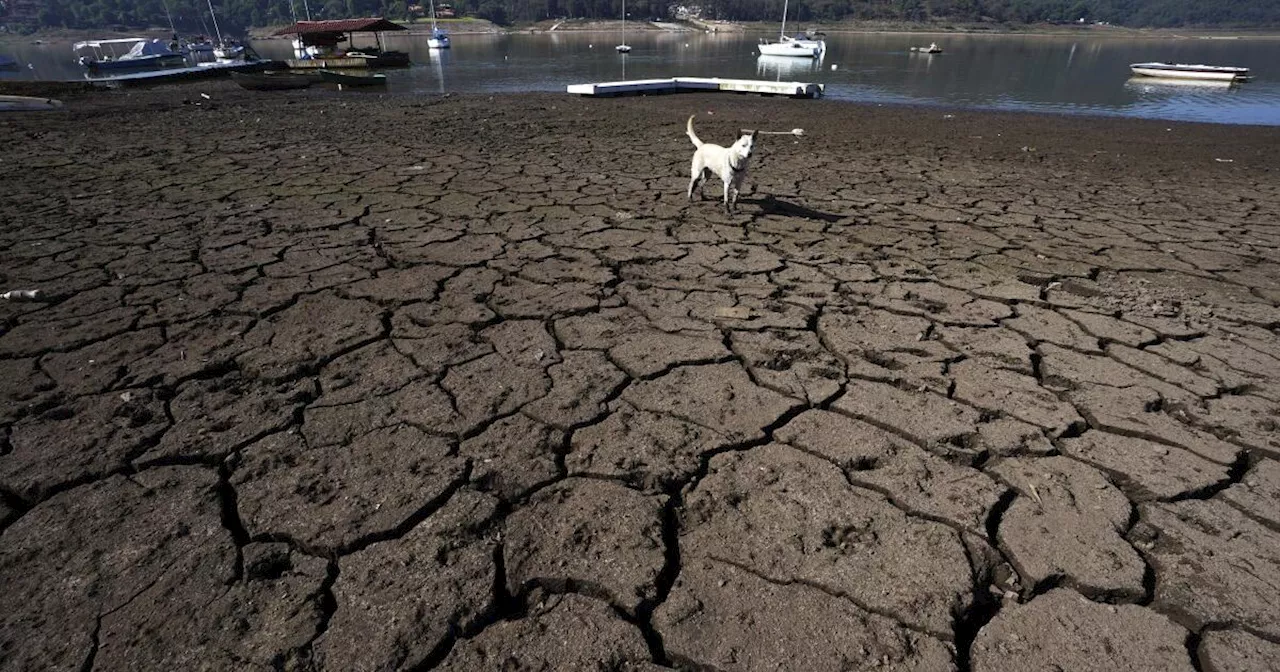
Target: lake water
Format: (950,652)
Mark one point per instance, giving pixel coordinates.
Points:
(1063,74)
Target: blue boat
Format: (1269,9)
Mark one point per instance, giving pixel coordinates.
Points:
(138,54)
(8,63)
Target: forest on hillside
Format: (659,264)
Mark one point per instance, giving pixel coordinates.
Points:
(237,15)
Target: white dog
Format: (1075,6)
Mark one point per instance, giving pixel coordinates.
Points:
(729,163)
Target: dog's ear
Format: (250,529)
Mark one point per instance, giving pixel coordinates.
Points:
(747,131)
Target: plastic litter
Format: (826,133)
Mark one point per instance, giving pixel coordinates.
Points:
(22,295)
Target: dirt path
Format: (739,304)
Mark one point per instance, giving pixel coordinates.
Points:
(368,382)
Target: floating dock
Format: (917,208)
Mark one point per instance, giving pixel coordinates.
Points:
(643,87)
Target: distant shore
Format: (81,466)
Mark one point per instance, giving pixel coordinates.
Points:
(471,26)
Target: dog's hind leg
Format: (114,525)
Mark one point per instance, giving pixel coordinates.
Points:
(697,174)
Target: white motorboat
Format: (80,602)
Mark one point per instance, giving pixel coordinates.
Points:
(791,46)
(933,48)
(1184,71)
(130,53)
(439,39)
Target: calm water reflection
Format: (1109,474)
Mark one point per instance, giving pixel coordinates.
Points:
(1044,73)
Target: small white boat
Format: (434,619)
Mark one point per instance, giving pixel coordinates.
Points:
(229,52)
(933,48)
(1184,71)
(439,39)
(791,46)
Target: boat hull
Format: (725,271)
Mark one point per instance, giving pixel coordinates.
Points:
(793,49)
(352,80)
(145,62)
(437,43)
(27,104)
(1169,71)
(271,81)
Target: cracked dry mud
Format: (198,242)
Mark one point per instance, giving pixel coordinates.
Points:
(375,383)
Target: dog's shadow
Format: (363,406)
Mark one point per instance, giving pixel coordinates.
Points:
(773,206)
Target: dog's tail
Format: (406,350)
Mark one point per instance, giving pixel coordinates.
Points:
(689,131)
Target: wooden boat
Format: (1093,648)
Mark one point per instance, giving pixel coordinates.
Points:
(1184,71)
(272,81)
(27,104)
(346,79)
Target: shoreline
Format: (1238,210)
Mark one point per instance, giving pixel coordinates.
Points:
(83,89)
(483,27)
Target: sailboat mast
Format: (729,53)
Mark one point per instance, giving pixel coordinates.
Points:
(215,22)
(169,16)
(433,17)
(624,21)
(783,31)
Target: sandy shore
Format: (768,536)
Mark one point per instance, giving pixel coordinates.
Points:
(387,382)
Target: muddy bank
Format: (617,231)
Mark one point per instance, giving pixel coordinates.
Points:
(377,381)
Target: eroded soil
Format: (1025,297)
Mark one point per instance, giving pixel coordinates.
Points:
(373,383)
